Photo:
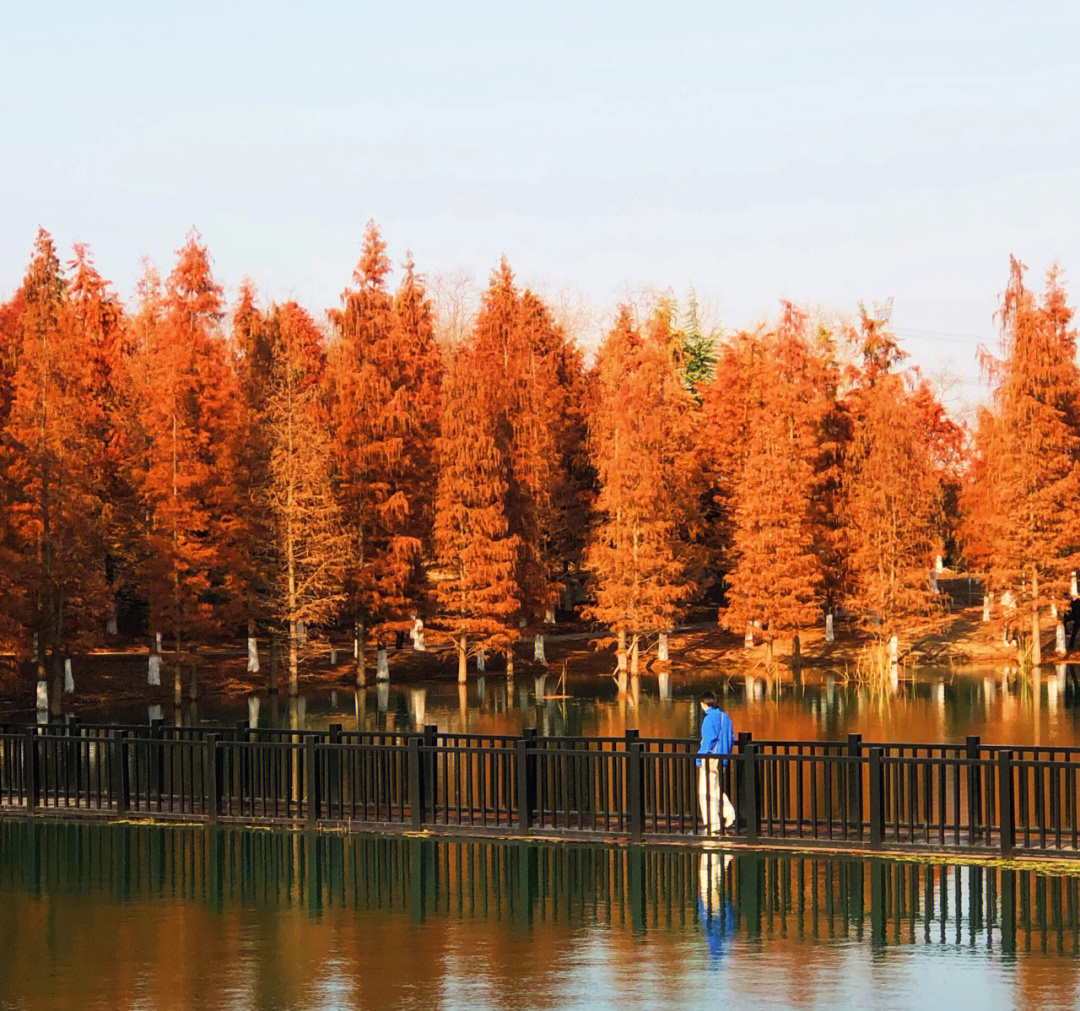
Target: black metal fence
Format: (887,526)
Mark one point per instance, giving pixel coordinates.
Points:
(849,795)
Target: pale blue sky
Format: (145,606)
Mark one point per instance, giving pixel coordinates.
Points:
(825,152)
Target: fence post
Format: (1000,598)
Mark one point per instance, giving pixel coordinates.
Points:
(877,807)
(1005,801)
(333,771)
(429,770)
(974,804)
(416,795)
(213,776)
(635,791)
(521,761)
(120,782)
(855,784)
(748,761)
(31,769)
(311,781)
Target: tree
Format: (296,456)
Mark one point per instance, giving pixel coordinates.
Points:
(252,351)
(641,436)
(892,493)
(380,415)
(422,376)
(777,574)
(100,329)
(55,503)
(185,474)
(476,553)
(1030,452)
(307,547)
(698,347)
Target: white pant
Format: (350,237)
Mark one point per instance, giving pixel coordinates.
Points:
(710,797)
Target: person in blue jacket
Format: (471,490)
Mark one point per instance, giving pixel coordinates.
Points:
(717,738)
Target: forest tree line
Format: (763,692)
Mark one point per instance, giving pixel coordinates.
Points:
(256,470)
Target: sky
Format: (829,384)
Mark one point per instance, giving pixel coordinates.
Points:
(828,153)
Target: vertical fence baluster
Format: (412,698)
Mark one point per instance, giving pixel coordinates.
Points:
(1005,802)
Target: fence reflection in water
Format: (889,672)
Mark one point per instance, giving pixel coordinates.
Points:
(751,895)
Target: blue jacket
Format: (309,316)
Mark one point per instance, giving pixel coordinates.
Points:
(717,733)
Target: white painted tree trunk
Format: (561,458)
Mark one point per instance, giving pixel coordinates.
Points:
(153,711)
(355,647)
(538,649)
(1053,609)
(830,635)
(1059,640)
(939,565)
(620,651)
(153,670)
(894,650)
(43,696)
(418,636)
(549,616)
(988,604)
(662,647)
(1073,591)
(748,638)
(253,655)
(253,710)
(382,668)
(69,679)
(481,660)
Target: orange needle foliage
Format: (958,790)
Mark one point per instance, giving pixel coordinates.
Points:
(475,588)
(642,437)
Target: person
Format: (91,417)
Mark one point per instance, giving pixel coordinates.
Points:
(717,737)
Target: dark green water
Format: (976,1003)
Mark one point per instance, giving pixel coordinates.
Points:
(101,916)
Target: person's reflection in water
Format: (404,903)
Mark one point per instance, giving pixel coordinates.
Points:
(715,910)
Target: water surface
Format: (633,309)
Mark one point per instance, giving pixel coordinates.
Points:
(103,916)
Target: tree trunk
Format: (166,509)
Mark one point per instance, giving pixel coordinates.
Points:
(635,650)
(275,659)
(662,647)
(1036,632)
(252,648)
(620,650)
(538,648)
(462,657)
(178,677)
(748,638)
(382,667)
(193,684)
(796,649)
(510,662)
(294,666)
(360,649)
(830,634)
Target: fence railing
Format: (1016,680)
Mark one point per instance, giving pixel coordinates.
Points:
(847,795)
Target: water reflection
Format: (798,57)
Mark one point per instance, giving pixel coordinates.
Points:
(141,916)
(1000,705)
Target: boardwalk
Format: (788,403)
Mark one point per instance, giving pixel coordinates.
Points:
(852,796)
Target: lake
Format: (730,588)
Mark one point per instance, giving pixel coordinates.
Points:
(119,917)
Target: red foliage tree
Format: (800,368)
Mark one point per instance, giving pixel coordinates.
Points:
(188,422)
(382,411)
(476,553)
(642,440)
